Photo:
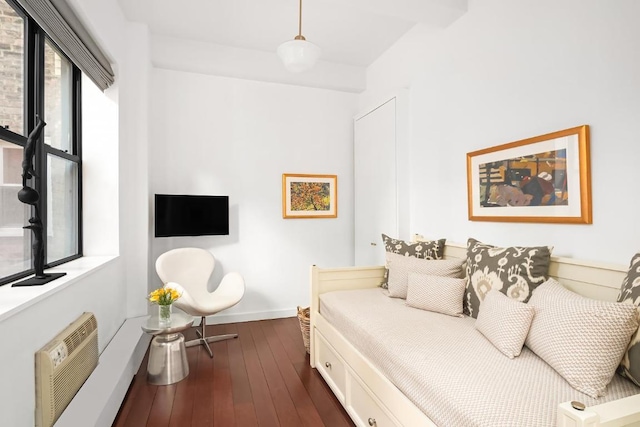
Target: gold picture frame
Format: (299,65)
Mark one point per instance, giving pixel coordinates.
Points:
(542,179)
(309,196)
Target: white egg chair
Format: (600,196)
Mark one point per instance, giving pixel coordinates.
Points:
(188,271)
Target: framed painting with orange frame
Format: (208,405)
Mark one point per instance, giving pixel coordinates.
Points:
(309,196)
(541,179)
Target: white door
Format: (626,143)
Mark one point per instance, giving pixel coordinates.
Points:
(375,180)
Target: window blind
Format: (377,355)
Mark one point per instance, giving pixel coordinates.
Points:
(61,23)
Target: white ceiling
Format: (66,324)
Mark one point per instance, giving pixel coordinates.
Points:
(353,32)
(349,32)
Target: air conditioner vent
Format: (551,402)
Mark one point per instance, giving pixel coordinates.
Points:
(62,366)
(79,334)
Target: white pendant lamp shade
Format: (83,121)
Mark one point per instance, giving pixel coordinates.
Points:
(298,55)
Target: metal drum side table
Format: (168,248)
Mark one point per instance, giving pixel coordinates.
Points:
(167,354)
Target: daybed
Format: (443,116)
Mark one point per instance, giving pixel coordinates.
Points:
(456,380)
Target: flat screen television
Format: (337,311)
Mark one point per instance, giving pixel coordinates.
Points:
(183,215)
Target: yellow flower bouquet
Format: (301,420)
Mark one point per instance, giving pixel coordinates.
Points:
(164,298)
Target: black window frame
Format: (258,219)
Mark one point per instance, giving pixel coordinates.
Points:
(34,104)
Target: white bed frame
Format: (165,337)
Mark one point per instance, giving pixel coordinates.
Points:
(372,400)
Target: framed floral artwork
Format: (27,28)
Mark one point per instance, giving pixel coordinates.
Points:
(309,196)
(541,179)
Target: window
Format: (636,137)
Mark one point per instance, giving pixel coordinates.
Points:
(12,76)
(57,98)
(37,79)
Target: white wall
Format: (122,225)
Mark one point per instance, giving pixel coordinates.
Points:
(134,167)
(506,71)
(120,159)
(29,330)
(225,136)
(99,170)
(115,175)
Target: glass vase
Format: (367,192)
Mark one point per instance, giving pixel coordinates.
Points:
(164,314)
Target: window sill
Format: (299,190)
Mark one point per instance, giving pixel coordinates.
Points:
(14,300)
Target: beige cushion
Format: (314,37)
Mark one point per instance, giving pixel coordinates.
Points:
(436,293)
(581,338)
(505,322)
(400,266)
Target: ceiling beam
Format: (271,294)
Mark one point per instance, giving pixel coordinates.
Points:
(435,13)
(210,58)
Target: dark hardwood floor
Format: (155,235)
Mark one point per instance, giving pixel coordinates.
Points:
(263,378)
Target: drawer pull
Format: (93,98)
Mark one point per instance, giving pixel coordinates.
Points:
(372,422)
(327,364)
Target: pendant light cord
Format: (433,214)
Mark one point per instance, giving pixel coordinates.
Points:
(300,20)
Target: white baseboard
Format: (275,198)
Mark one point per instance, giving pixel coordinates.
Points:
(99,399)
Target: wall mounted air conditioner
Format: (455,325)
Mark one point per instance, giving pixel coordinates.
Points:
(62,366)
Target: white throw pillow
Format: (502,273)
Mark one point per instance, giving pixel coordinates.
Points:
(436,293)
(581,338)
(400,266)
(505,322)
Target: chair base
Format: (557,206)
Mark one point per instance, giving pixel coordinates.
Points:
(205,340)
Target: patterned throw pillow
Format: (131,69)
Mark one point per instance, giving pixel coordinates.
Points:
(630,293)
(429,249)
(514,271)
(436,293)
(583,339)
(400,267)
(505,322)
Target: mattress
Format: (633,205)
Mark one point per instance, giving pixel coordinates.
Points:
(448,369)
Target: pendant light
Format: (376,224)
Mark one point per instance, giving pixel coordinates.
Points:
(298,54)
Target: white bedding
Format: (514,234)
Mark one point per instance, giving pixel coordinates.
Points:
(448,369)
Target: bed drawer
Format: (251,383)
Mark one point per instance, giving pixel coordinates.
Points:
(330,366)
(364,409)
